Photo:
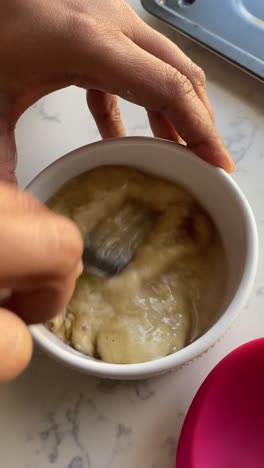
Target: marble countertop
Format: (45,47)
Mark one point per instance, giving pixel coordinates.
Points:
(53,417)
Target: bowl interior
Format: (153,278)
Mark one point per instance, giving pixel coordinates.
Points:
(212,188)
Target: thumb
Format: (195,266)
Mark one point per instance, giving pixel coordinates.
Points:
(15,346)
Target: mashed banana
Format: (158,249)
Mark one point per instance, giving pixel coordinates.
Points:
(170,291)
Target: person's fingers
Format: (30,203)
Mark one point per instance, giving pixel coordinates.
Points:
(41,300)
(143,79)
(34,245)
(106,113)
(13,201)
(15,346)
(161,47)
(40,264)
(40,256)
(162,127)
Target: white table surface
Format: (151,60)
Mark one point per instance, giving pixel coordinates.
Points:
(53,417)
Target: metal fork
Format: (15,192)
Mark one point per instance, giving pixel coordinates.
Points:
(110,246)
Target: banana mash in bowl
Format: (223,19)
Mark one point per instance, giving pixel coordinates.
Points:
(159,303)
(185,282)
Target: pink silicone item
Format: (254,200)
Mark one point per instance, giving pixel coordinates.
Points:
(224,427)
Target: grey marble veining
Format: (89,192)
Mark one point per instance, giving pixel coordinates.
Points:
(52,417)
(43,114)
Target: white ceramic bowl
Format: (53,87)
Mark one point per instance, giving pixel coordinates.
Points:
(217,193)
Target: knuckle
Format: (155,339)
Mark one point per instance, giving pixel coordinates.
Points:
(127,15)
(172,78)
(79,31)
(132,24)
(112,111)
(186,87)
(178,84)
(104,107)
(199,76)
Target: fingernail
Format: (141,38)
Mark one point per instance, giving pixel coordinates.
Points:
(231,166)
(79,268)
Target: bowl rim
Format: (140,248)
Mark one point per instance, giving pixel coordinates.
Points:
(211,336)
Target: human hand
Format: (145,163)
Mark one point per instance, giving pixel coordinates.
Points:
(40,261)
(106,48)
